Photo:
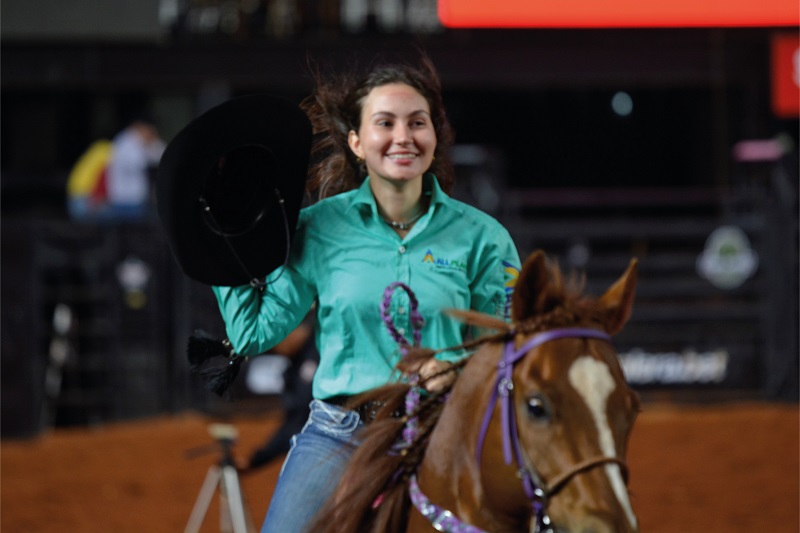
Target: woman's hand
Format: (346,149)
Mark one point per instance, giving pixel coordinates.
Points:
(431,367)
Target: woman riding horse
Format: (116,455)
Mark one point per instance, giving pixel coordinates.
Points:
(532,436)
(381,169)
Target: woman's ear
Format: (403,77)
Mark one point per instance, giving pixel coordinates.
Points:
(355,144)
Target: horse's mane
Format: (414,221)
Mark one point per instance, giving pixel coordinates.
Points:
(372,493)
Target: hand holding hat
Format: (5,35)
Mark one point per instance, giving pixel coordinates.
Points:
(230,186)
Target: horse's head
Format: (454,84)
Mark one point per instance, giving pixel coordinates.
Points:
(574,410)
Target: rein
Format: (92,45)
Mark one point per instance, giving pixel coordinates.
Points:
(417,321)
(411,428)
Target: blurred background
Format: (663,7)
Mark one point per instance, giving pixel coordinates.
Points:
(674,140)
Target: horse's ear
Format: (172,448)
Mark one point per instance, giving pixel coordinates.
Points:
(531,284)
(616,304)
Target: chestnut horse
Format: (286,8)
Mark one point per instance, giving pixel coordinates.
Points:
(531,436)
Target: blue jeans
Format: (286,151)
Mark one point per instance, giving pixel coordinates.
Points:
(312,468)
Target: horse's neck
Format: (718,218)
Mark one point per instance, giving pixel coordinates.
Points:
(450,472)
(460,421)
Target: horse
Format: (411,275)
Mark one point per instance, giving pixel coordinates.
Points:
(531,435)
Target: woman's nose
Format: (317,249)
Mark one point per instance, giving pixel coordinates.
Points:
(402,134)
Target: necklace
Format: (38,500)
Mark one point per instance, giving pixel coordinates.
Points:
(404,225)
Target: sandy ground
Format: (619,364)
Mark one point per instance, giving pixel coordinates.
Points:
(727,468)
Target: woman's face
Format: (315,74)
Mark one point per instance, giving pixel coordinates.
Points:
(396,138)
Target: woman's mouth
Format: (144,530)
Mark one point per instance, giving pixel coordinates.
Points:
(402,157)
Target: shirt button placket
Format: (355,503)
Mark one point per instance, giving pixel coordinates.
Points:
(402,263)
(403,274)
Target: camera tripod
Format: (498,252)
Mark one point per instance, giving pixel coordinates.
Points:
(233,515)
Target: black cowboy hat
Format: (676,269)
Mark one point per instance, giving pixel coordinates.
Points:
(230,186)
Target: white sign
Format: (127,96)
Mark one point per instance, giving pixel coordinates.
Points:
(727,260)
(675,368)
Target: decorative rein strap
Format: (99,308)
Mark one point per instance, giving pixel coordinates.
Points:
(441,519)
(411,429)
(416,318)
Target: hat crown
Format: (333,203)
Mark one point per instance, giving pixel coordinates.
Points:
(240,189)
(230,186)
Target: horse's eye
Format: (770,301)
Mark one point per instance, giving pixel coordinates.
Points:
(537,408)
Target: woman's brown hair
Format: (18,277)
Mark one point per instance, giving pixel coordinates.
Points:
(334,109)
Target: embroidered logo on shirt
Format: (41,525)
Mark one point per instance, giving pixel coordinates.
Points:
(512,274)
(443,263)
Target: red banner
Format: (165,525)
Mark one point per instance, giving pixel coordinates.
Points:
(617,13)
(786,75)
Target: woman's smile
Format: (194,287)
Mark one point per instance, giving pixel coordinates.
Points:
(405,157)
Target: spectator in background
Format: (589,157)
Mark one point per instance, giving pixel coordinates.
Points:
(135,155)
(112,179)
(86,186)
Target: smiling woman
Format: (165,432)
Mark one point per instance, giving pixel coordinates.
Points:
(381,170)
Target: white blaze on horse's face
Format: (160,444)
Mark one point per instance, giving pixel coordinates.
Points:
(594,382)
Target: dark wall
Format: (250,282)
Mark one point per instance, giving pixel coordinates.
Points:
(538,101)
(541,97)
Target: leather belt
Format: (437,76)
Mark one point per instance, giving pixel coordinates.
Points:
(367,411)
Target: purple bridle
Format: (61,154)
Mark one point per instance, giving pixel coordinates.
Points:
(535,489)
(531,482)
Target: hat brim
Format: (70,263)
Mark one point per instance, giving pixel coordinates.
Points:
(230,186)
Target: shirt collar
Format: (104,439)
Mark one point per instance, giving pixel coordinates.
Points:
(364,196)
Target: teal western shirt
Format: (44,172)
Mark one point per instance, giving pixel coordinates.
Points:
(344,256)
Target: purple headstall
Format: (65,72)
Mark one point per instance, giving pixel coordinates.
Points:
(535,490)
(503,390)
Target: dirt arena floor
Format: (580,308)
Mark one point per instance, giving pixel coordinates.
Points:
(722,468)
